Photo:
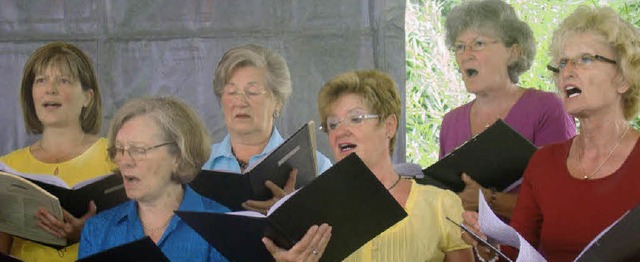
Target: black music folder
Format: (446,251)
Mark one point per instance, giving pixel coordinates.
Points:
(24,194)
(232,189)
(347,196)
(618,242)
(106,192)
(495,158)
(141,250)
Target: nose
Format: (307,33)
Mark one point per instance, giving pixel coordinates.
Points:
(51,87)
(568,71)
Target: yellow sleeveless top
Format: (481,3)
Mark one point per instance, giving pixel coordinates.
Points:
(92,163)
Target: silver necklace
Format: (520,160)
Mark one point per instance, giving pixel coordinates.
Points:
(584,175)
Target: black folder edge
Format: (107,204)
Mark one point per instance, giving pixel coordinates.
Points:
(106,193)
(232,189)
(338,247)
(143,249)
(8,258)
(620,242)
(516,152)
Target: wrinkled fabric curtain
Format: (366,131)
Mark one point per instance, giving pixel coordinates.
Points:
(170,47)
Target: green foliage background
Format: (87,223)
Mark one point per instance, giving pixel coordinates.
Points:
(434,85)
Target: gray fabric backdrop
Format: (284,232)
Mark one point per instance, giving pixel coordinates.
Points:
(171,47)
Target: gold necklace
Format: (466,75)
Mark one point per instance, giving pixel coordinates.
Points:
(584,176)
(154,230)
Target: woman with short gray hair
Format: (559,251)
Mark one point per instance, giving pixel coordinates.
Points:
(492,48)
(252,84)
(159,145)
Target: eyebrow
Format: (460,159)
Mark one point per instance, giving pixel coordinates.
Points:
(472,40)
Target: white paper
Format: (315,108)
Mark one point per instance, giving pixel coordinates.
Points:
(51,179)
(273,208)
(503,234)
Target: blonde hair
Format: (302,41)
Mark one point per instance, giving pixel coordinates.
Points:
(623,38)
(377,89)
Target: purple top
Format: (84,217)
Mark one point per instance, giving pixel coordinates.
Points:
(537,115)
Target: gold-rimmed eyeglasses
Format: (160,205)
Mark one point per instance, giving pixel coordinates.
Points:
(252,91)
(136,153)
(475,45)
(332,123)
(582,61)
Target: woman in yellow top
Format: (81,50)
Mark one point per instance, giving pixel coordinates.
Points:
(360,112)
(60,101)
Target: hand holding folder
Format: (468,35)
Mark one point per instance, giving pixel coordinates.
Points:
(495,158)
(346,197)
(25,194)
(233,189)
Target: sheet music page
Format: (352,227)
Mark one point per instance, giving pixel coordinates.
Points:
(504,234)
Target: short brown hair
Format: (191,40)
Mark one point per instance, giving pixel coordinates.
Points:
(377,89)
(70,60)
(179,123)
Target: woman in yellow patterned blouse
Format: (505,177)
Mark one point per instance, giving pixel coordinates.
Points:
(60,101)
(360,112)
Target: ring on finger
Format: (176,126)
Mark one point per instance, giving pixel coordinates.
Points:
(315,252)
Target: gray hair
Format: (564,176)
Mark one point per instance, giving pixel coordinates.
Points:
(278,76)
(180,125)
(494,17)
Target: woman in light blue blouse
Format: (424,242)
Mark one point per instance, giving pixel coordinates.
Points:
(252,84)
(159,145)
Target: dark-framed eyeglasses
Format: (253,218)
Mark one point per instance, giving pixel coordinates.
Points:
(332,123)
(582,61)
(136,153)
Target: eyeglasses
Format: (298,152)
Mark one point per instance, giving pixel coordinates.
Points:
(582,61)
(332,123)
(475,45)
(251,91)
(136,153)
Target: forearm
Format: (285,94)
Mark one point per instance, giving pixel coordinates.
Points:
(501,203)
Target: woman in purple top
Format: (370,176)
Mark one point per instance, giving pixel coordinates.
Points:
(493,47)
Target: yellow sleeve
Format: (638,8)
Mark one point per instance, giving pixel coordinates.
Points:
(451,206)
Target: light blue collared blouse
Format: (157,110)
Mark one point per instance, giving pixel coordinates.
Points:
(222,158)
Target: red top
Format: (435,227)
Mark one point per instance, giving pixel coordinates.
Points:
(561,214)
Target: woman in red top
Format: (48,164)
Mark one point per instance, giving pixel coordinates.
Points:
(573,190)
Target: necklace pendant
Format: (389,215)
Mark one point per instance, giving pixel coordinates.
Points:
(585,177)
